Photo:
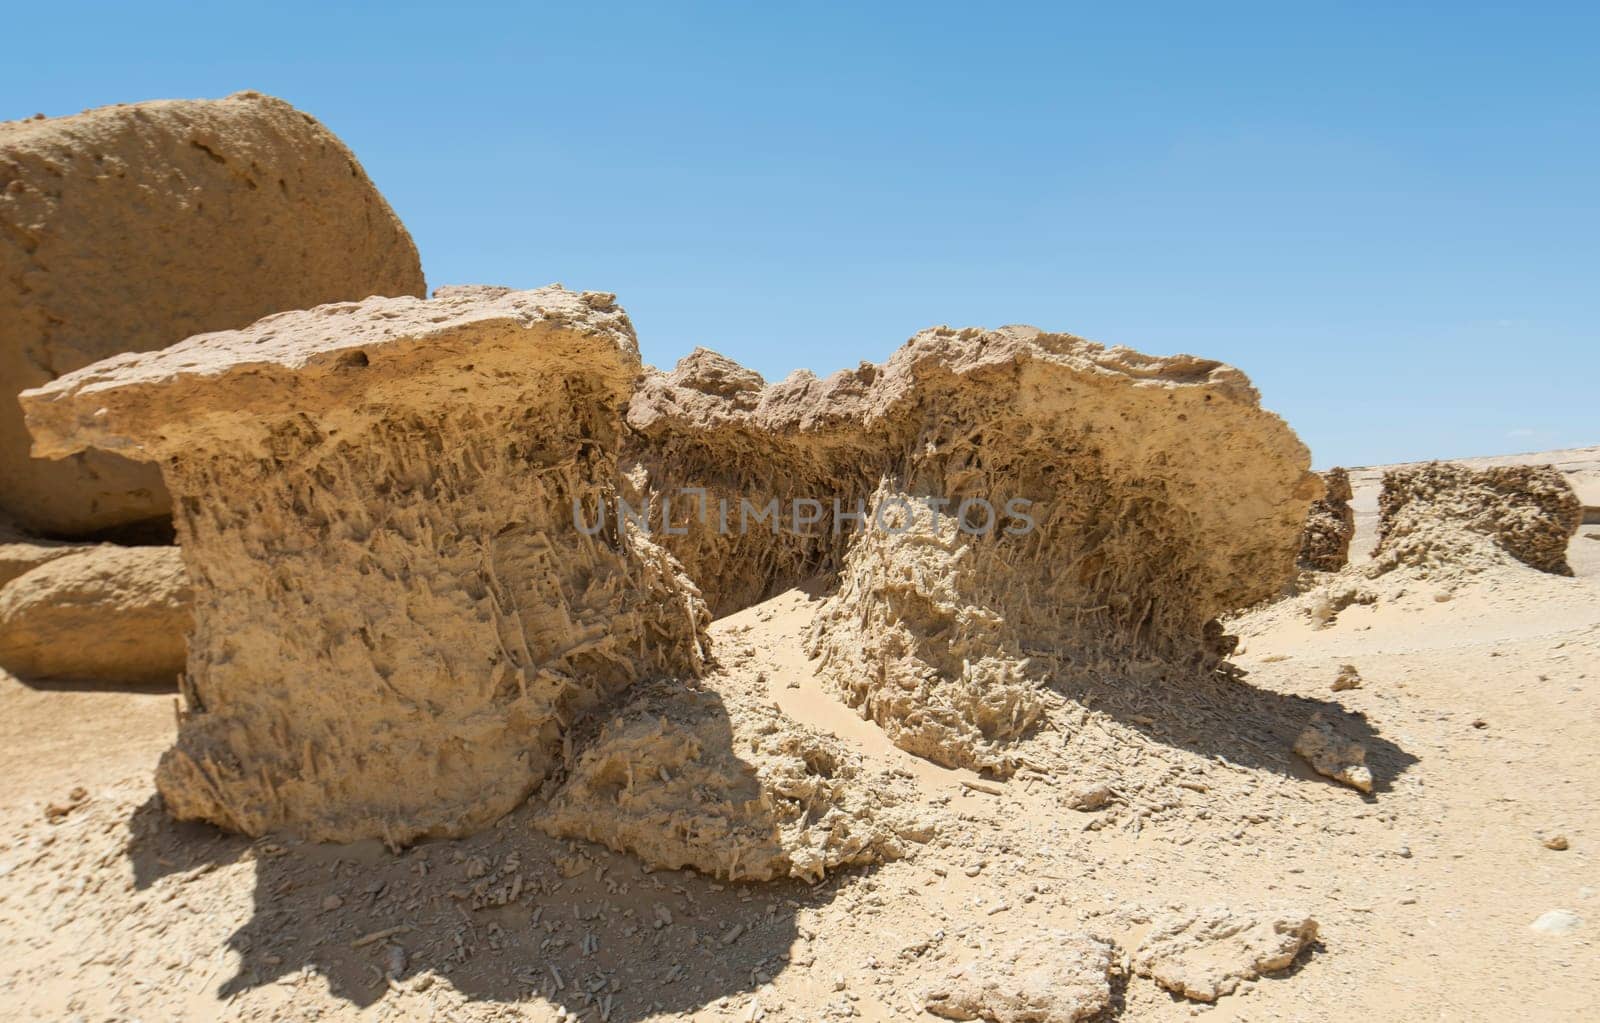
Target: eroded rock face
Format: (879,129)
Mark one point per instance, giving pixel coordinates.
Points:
(396,621)
(712,778)
(106,614)
(749,453)
(1205,954)
(132,227)
(1155,494)
(1330,525)
(1443,515)
(1048,976)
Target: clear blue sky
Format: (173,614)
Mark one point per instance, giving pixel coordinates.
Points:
(1387,214)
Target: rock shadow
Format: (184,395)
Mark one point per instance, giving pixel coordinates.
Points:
(1222,714)
(509,915)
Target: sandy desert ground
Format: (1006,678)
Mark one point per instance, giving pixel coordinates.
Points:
(1479,707)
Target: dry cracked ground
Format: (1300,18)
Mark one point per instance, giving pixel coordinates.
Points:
(1463,887)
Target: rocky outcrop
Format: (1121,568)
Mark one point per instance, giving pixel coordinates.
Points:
(108,614)
(1446,516)
(129,228)
(1048,976)
(992,510)
(713,778)
(1330,525)
(397,623)
(1205,954)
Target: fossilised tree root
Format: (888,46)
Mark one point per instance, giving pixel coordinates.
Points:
(1330,525)
(1443,515)
(714,778)
(1157,494)
(396,622)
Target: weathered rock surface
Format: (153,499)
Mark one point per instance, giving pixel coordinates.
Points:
(946,628)
(112,614)
(728,458)
(1049,976)
(132,227)
(396,621)
(1205,954)
(1446,516)
(1330,525)
(950,631)
(715,779)
(20,553)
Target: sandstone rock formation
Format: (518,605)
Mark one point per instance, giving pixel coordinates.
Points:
(714,779)
(1205,954)
(945,627)
(396,622)
(1442,515)
(1330,525)
(20,553)
(110,614)
(727,458)
(1154,495)
(1049,976)
(129,228)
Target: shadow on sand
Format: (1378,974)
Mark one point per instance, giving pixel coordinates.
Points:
(509,915)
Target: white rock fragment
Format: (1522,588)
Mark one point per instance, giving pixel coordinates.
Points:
(1205,954)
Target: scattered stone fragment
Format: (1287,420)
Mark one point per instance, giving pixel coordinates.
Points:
(1205,954)
(56,812)
(1092,797)
(1557,841)
(1347,678)
(1049,976)
(1331,754)
(1557,921)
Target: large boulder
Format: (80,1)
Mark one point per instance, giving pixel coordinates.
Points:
(132,227)
(109,614)
(397,622)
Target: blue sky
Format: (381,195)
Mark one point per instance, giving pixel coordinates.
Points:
(1387,214)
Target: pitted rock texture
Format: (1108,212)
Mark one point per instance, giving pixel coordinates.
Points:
(396,621)
(727,458)
(1048,976)
(129,228)
(1205,954)
(946,632)
(1330,525)
(1448,517)
(713,778)
(104,614)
